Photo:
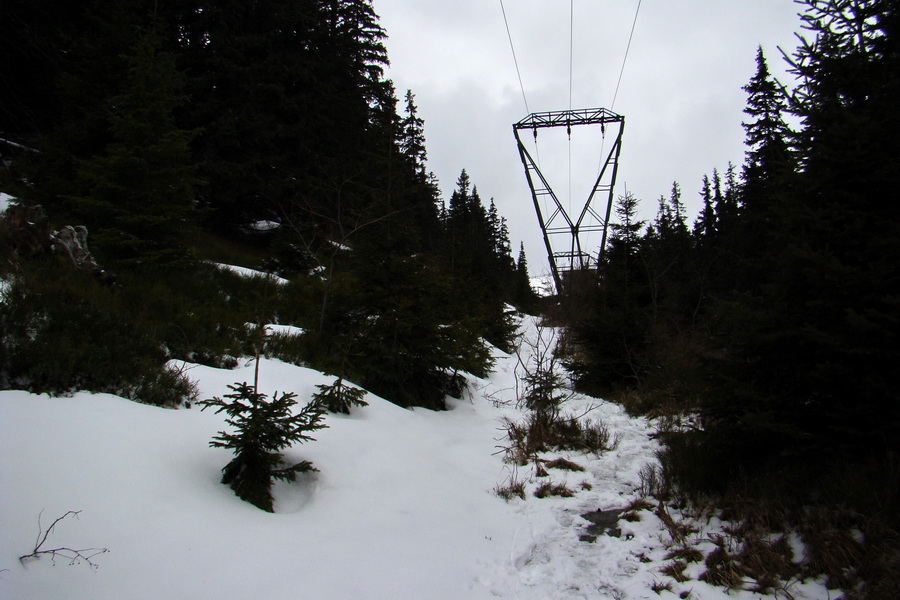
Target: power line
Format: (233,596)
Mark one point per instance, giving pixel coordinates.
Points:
(628,47)
(571,62)
(571,46)
(619,81)
(515,61)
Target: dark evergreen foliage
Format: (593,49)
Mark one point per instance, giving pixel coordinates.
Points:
(61,330)
(783,287)
(776,316)
(523,295)
(158,118)
(140,188)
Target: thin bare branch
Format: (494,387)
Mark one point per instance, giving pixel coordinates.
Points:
(73,555)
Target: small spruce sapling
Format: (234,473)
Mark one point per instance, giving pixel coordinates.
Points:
(339,397)
(543,385)
(263,428)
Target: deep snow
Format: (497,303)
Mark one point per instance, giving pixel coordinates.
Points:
(403,506)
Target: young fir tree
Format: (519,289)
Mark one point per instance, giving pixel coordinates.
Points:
(339,397)
(262,429)
(613,334)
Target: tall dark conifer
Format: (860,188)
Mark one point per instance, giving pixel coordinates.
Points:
(766,177)
(811,378)
(613,334)
(140,188)
(835,283)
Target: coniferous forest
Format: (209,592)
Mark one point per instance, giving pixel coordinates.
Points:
(259,133)
(763,333)
(772,319)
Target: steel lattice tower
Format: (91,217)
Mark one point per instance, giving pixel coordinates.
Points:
(562,232)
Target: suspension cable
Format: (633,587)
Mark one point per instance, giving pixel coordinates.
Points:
(627,48)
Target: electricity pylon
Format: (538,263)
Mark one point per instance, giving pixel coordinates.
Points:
(562,232)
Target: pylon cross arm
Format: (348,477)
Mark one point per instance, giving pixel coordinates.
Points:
(568,118)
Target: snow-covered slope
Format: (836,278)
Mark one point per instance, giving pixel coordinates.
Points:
(403,506)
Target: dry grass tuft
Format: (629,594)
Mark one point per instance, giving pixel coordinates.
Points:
(678,531)
(685,553)
(675,570)
(564,464)
(553,489)
(513,488)
(661,586)
(722,570)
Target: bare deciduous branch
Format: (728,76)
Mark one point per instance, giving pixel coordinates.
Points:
(73,555)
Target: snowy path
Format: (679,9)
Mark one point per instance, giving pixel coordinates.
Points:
(403,507)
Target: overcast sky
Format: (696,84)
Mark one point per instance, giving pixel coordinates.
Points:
(680,91)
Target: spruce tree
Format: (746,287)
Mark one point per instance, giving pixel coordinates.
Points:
(339,397)
(262,429)
(809,379)
(766,176)
(833,277)
(412,139)
(523,294)
(140,188)
(613,335)
(768,137)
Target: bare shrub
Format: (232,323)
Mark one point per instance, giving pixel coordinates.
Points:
(652,483)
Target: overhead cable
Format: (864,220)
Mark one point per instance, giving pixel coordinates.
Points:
(515,61)
(627,48)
